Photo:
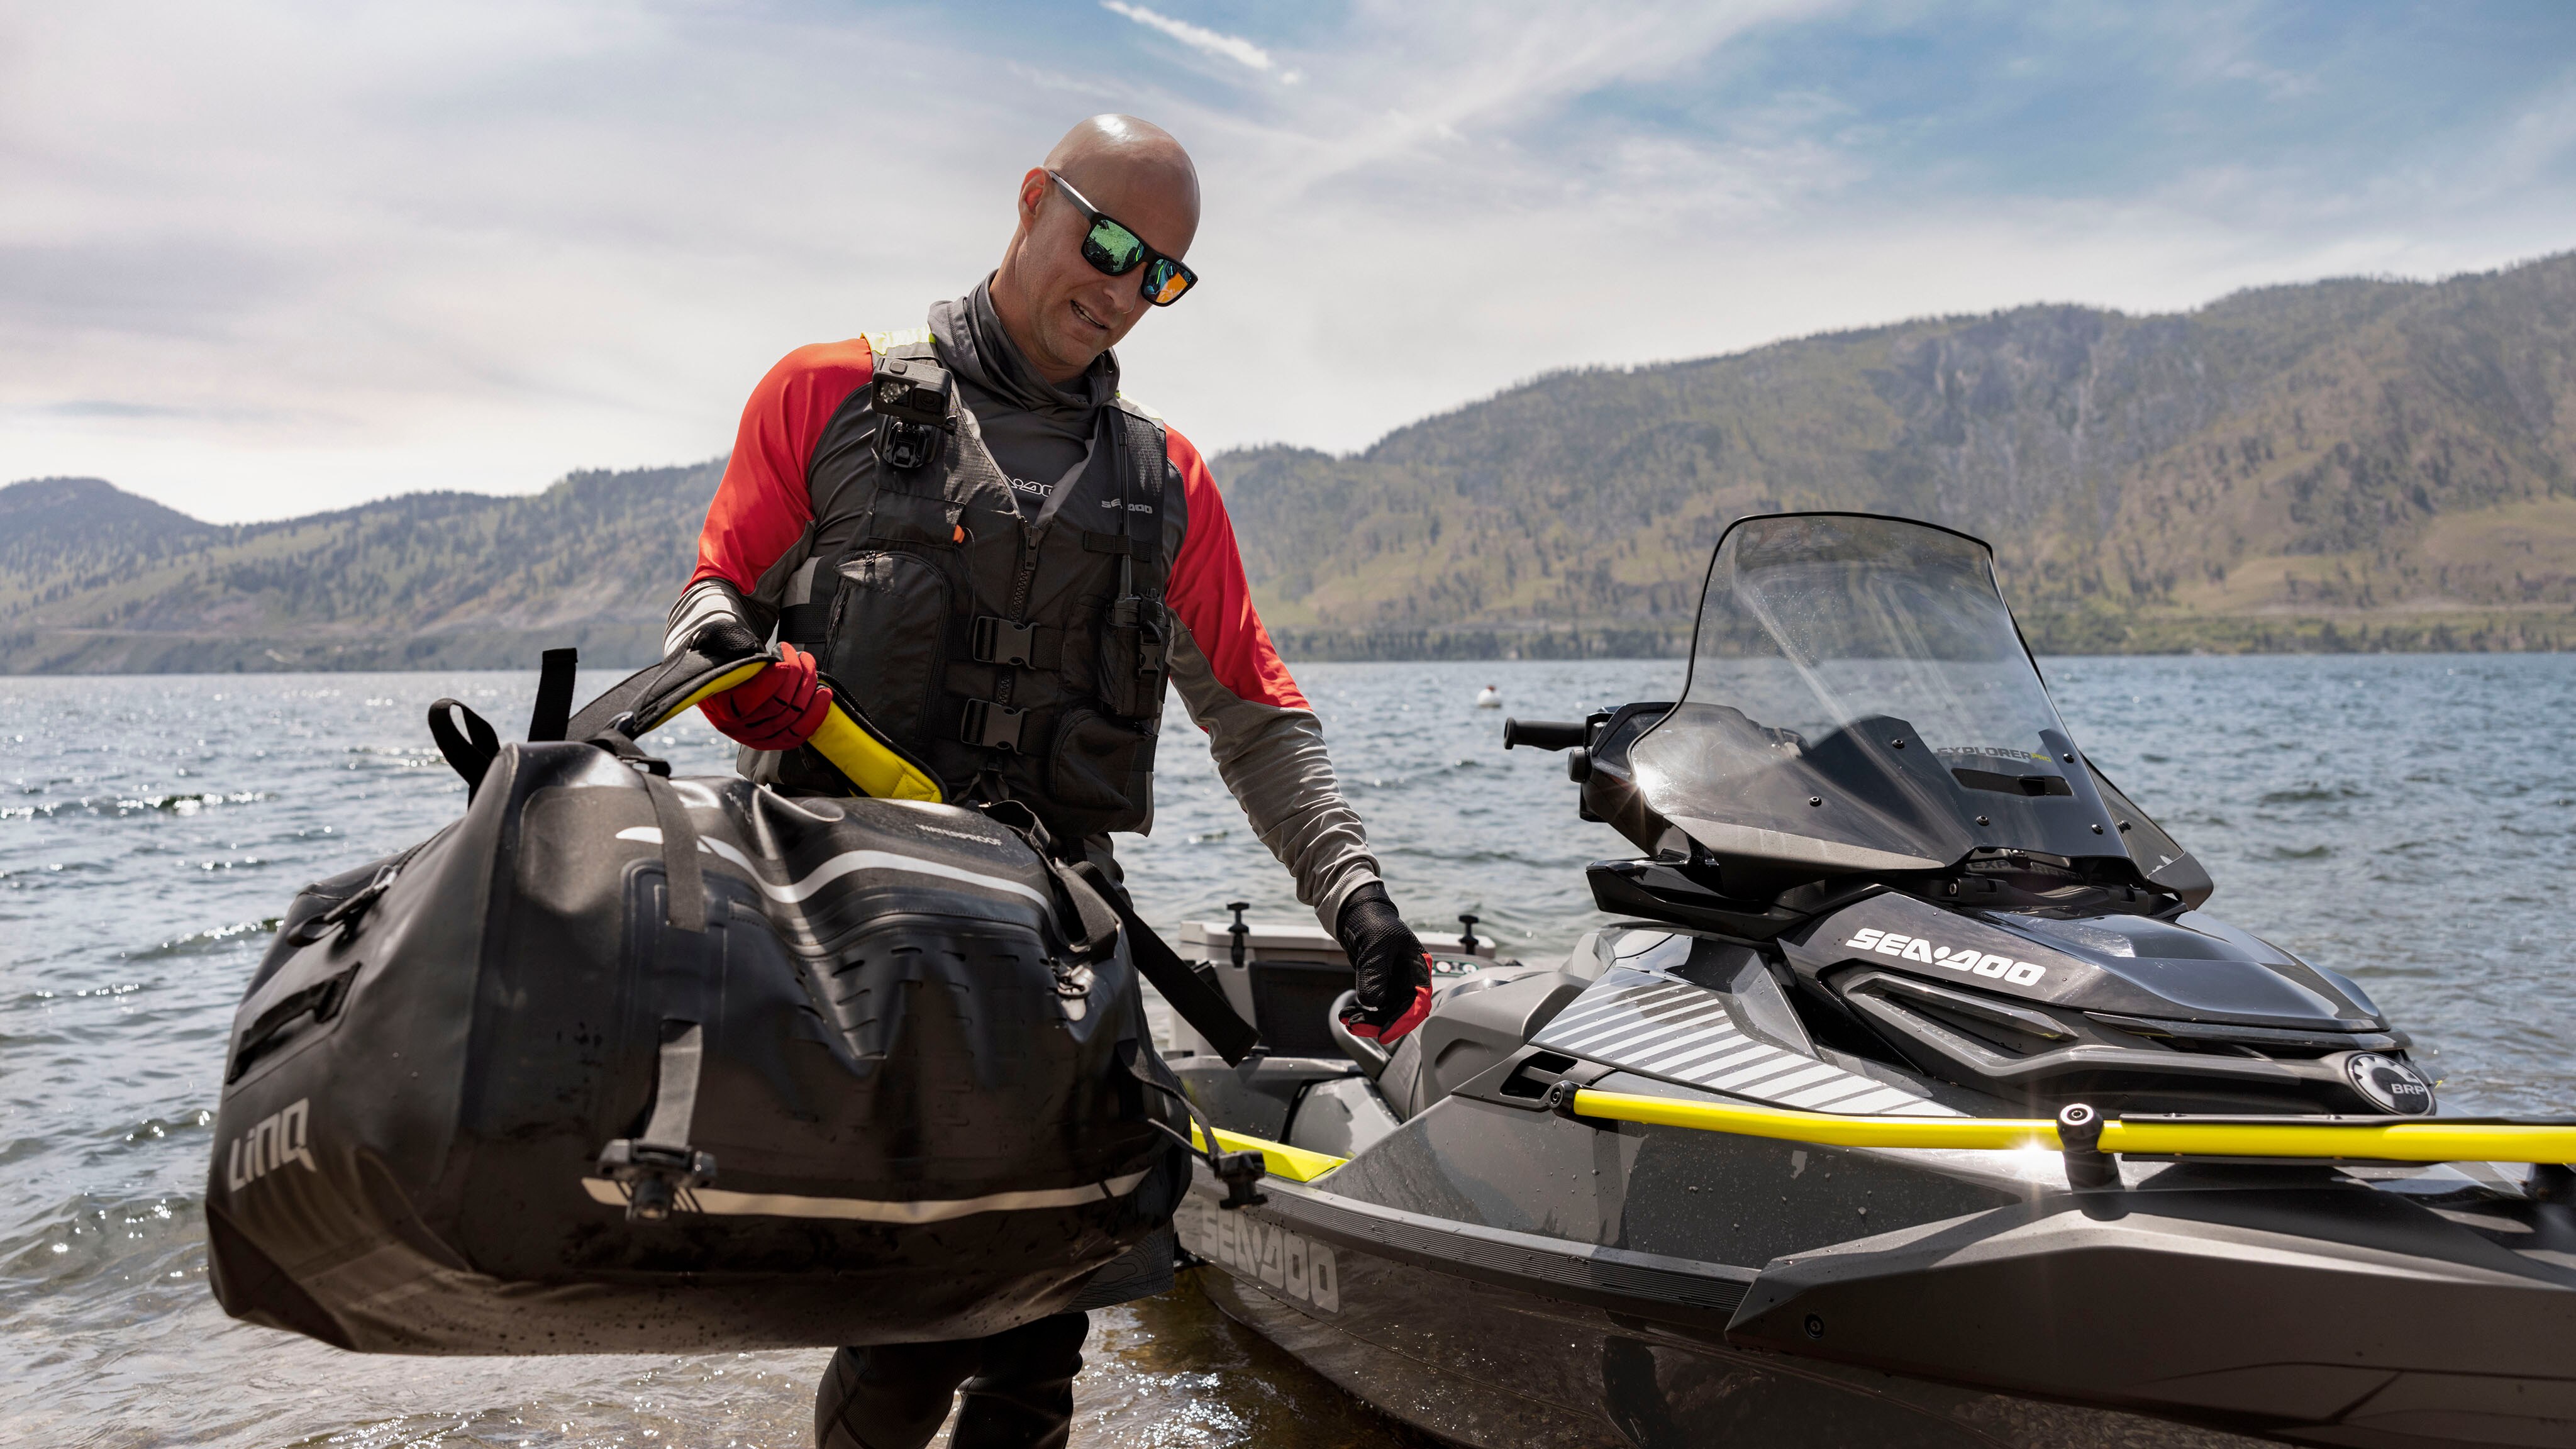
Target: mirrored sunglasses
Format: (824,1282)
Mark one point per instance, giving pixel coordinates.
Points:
(1115,251)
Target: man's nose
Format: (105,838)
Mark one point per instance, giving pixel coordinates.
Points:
(1120,299)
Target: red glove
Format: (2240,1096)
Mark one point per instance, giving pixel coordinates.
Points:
(777,709)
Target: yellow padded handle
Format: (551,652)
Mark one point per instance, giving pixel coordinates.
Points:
(864,760)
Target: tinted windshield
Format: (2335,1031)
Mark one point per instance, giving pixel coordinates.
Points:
(1811,622)
(1860,700)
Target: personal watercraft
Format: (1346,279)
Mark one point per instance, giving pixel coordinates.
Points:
(1915,1099)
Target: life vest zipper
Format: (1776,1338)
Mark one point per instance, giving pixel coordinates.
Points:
(1018,608)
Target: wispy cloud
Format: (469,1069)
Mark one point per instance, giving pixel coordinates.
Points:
(293,254)
(1197,37)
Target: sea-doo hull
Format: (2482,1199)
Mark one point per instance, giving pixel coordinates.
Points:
(1503,1276)
(1889,905)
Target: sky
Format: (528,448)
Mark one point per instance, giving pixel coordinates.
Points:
(262,259)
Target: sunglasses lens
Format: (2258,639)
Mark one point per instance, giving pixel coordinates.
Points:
(1165,281)
(1112,248)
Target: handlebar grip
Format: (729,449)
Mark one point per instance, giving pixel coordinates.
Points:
(1543,734)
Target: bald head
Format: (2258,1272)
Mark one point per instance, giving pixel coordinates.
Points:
(1108,153)
(1061,310)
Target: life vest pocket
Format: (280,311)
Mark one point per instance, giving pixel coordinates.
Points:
(889,638)
(1098,763)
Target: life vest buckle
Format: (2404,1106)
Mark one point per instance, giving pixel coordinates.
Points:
(997,640)
(992,726)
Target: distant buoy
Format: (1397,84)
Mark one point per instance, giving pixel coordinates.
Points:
(1489,698)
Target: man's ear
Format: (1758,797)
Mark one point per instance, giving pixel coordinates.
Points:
(1033,190)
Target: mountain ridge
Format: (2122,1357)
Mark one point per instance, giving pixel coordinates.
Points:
(2343,464)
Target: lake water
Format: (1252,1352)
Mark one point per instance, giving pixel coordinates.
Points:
(2405,819)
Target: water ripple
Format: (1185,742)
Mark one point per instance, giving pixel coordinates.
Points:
(2402,820)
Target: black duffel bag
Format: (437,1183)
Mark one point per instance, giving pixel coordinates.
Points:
(621,1063)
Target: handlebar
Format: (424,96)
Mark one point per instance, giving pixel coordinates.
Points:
(1543,734)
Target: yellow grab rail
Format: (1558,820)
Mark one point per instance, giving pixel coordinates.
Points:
(1296,1164)
(2433,1141)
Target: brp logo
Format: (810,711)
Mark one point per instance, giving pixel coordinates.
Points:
(2391,1085)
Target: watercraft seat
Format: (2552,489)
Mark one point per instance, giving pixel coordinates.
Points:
(1474,1024)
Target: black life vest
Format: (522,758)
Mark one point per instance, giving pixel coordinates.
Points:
(1016,656)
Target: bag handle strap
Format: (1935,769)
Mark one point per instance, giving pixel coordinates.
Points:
(552,716)
(1198,1003)
(684,881)
(471,748)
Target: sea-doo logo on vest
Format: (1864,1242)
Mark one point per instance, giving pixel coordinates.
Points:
(1962,958)
(275,1142)
(1031,487)
(1285,1262)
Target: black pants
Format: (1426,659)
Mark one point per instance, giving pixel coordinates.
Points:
(1018,1383)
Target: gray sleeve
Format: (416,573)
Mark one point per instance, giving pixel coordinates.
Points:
(699,605)
(1273,759)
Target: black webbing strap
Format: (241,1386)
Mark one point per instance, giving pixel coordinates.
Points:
(1099,918)
(657,1167)
(553,714)
(675,1086)
(1238,1170)
(470,750)
(1201,1005)
(684,883)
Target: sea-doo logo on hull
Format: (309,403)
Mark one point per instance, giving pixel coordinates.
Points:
(1285,1262)
(1961,958)
(275,1142)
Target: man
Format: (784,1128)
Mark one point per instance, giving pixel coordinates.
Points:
(1006,595)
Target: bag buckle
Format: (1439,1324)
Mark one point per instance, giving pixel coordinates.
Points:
(992,726)
(997,640)
(656,1178)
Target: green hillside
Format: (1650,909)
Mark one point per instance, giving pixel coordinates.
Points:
(97,581)
(2346,464)
(2340,465)
(2332,465)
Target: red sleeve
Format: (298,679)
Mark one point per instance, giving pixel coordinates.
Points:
(1208,592)
(763,504)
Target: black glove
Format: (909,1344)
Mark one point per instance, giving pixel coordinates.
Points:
(1394,976)
(725,637)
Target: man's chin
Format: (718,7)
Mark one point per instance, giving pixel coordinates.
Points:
(1074,353)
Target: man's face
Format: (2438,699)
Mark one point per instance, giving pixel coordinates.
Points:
(1063,311)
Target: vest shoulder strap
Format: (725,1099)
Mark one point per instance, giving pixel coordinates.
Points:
(1147,457)
(903,341)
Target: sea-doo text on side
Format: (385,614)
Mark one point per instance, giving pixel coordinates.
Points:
(1916,1099)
